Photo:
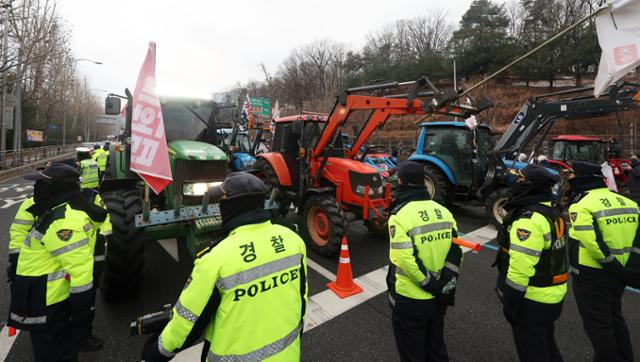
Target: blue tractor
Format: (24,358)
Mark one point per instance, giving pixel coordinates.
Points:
(241,156)
(463,165)
(458,168)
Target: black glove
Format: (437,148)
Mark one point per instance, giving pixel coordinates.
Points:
(150,351)
(511,301)
(619,271)
(510,311)
(11,269)
(448,295)
(82,312)
(443,288)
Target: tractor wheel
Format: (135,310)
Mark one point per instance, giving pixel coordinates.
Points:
(437,185)
(270,179)
(494,205)
(324,224)
(378,228)
(125,257)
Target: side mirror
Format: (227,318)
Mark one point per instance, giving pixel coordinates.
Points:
(112,105)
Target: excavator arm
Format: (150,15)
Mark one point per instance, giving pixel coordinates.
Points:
(539,113)
(414,102)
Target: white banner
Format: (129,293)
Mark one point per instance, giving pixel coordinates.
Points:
(618,29)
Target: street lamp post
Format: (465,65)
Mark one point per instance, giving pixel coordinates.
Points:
(3,102)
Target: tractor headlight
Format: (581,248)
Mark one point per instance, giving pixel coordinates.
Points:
(198,189)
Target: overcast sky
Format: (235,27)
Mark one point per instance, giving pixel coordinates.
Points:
(207,46)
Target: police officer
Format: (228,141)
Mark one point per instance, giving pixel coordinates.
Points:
(51,293)
(101,231)
(100,156)
(248,295)
(88,168)
(604,227)
(424,267)
(22,223)
(532,265)
(99,235)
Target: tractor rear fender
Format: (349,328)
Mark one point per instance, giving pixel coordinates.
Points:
(279,167)
(437,163)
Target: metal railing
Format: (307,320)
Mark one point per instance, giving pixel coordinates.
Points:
(12,158)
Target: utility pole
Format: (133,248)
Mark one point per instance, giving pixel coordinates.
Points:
(17,128)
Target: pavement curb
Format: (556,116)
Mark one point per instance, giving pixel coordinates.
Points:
(10,173)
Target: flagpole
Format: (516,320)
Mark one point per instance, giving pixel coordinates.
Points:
(534,50)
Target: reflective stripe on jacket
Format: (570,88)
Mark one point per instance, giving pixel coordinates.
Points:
(250,293)
(420,234)
(100,156)
(89,171)
(614,216)
(20,226)
(529,237)
(55,262)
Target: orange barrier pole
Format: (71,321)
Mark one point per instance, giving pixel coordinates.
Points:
(468,244)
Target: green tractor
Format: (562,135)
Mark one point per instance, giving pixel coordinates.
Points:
(183,210)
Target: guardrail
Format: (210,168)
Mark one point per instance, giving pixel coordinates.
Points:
(12,158)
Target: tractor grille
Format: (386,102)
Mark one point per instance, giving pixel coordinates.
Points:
(360,180)
(193,170)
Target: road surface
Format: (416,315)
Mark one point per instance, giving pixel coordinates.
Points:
(356,329)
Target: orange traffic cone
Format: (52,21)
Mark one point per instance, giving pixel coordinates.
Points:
(344,285)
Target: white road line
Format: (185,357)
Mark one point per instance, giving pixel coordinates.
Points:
(6,343)
(320,269)
(481,235)
(326,305)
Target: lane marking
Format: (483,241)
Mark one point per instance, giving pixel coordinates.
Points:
(495,248)
(482,235)
(326,305)
(6,342)
(320,269)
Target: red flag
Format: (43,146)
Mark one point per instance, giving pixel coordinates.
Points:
(149,155)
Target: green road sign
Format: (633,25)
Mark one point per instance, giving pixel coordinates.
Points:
(260,106)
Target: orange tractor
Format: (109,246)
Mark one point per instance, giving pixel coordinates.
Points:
(310,169)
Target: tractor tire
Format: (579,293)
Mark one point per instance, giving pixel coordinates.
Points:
(324,224)
(493,205)
(124,262)
(267,174)
(438,186)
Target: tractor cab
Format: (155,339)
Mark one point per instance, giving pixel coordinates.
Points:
(236,143)
(569,148)
(294,133)
(460,152)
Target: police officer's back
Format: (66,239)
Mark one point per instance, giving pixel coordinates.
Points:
(89,170)
(424,267)
(51,294)
(532,265)
(604,259)
(248,293)
(100,155)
